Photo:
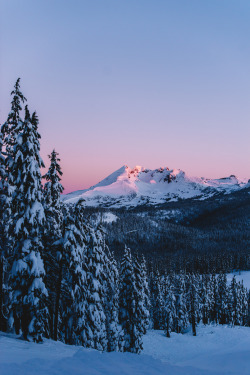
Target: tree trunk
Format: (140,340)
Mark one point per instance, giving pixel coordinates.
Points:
(58,296)
(3,323)
(193,324)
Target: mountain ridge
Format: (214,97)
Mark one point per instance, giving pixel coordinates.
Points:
(130,187)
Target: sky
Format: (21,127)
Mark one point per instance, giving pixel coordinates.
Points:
(153,83)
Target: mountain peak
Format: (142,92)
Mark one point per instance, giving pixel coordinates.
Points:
(131,187)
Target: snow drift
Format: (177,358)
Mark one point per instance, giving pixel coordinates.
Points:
(217,350)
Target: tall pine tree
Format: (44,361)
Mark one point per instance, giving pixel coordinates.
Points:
(52,234)
(129,305)
(7,141)
(169,307)
(94,333)
(28,289)
(3,236)
(114,336)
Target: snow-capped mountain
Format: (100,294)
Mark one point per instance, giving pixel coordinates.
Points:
(128,187)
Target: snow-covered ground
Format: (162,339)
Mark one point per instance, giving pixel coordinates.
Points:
(241,276)
(216,350)
(109,217)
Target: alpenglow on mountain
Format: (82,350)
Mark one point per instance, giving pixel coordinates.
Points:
(139,186)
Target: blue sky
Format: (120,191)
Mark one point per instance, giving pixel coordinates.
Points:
(152,83)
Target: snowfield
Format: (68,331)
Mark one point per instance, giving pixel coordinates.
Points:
(216,350)
(240,276)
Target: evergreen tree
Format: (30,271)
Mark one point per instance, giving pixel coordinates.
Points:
(243,300)
(181,316)
(61,259)
(141,314)
(52,234)
(237,303)
(157,302)
(29,292)
(3,236)
(94,333)
(146,295)
(73,279)
(214,314)
(233,302)
(53,187)
(2,168)
(8,129)
(193,302)
(248,309)
(205,298)
(169,308)
(7,141)
(114,335)
(128,302)
(79,275)
(223,298)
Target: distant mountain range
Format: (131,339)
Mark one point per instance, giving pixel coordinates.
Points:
(139,186)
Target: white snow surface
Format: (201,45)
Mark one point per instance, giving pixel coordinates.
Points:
(109,217)
(240,276)
(137,186)
(216,350)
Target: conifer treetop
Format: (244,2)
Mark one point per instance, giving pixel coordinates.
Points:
(53,188)
(14,115)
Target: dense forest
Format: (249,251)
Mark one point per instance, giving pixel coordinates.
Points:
(192,236)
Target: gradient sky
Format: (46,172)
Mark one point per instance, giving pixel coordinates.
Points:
(137,82)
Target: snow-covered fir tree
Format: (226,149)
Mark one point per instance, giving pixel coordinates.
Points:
(193,301)
(129,305)
(7,141)
(8,129)
(94,333)
(52,232)
(157,300)
(204,292)
(3,236)
(114,333)
(53,187)
(214,312)
(73,282)
(222,298)
(146,294)
(169,307)
(141,313)
(181,320)
(142,294)
(79,275)
(28,289)
(2,168)
(243,297)
(237,303)
(248,309)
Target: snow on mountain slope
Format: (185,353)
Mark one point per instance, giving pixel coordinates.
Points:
(128,187)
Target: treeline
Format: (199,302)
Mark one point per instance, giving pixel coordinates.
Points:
(178,247)
(180,300)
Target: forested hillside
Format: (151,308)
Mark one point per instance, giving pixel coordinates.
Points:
(207,236)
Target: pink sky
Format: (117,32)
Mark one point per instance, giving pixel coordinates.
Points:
(138,83)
